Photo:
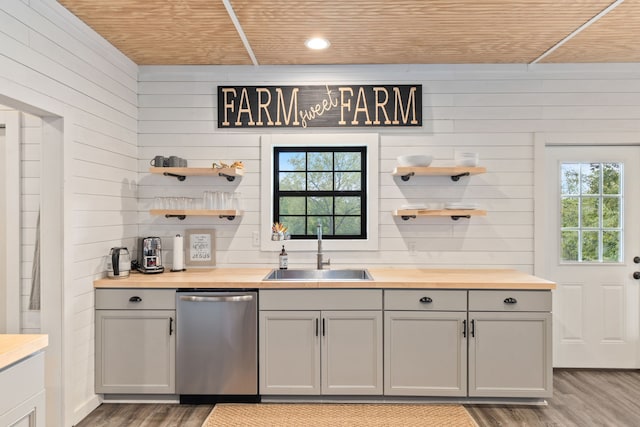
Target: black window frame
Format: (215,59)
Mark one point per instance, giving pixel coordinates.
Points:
(362,193)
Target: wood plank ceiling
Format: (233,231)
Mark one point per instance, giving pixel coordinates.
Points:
(171,32)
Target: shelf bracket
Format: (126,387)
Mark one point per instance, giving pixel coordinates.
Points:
(457,217)
(407,176)
(407,217)
(180,217)
(229,217)
(457,177)
(180,177)
(230,178)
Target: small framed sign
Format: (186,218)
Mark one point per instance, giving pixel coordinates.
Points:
(200,250)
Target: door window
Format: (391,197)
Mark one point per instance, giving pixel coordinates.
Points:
(591,223)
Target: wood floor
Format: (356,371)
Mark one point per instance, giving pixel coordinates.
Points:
(582,398)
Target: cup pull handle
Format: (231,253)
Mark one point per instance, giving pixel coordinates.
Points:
(510,300)
(135,299)
(426,300)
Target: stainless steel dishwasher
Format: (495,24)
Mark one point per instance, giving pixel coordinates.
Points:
(217,346)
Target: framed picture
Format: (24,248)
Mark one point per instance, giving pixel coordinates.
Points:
(200,248)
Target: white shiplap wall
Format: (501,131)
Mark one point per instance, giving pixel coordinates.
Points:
(51,61)
(492,109)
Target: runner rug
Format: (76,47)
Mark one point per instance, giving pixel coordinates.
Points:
(337,415)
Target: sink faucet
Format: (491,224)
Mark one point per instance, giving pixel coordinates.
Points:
(321,262)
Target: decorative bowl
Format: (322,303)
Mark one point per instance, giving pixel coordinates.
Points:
(415,160)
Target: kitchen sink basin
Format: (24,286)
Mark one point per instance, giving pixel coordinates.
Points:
(319,275)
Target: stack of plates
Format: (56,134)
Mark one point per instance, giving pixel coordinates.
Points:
(459,205)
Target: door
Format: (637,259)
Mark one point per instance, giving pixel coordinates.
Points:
(135,351)
(352,352)
(593,236)
(289,352)
(425,353)
(509,354)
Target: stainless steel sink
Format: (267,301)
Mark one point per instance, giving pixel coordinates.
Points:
(319,275)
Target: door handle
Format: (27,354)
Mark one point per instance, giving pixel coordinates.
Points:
(230,298)
(170,325)
(636,275)
(473,328)
(464,328)
(317,326)
(323,327)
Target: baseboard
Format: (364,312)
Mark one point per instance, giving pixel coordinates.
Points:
(141,398)
(81,411)
(408,400)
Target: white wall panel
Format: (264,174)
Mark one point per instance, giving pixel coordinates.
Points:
(52,61)
(490,109)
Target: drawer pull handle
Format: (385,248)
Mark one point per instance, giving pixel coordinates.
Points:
(426,300)
(510,300)
(135,299)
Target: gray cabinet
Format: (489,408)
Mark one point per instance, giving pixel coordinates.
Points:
(135,341)
(510,344)
(351,351)
(289,352)
(425,344)
(332,346)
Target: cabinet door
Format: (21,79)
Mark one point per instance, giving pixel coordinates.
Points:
(135,351)
(510,354)
(352,352)
(289,352)
(425,353)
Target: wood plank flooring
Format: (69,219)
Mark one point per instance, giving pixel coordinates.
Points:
(582,397)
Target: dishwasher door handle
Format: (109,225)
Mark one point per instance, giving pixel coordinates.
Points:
(229,298)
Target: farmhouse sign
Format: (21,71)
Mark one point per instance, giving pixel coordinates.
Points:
(319,106)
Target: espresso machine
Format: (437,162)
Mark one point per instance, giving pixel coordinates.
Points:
(150,255)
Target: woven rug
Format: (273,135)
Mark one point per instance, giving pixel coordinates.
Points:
(336,415)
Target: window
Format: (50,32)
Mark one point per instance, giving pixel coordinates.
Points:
(302,214)
(591,212)
(321,185)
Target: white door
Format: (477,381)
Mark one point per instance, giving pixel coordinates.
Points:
(593,236)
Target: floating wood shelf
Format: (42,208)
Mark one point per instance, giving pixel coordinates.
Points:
(182,173)
(181,214)
(455,214)
(455,172)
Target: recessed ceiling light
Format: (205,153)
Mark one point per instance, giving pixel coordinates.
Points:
(317,43)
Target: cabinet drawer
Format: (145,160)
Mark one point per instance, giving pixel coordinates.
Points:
(505,300)
(425,300)
(125,299)
(321,299)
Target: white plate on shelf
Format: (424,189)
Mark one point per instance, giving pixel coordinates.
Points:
(414,206)
(462,206)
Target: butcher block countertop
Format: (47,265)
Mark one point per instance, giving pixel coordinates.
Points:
(15,347)
(383,278)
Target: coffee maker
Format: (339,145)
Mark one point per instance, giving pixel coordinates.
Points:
(150,255)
